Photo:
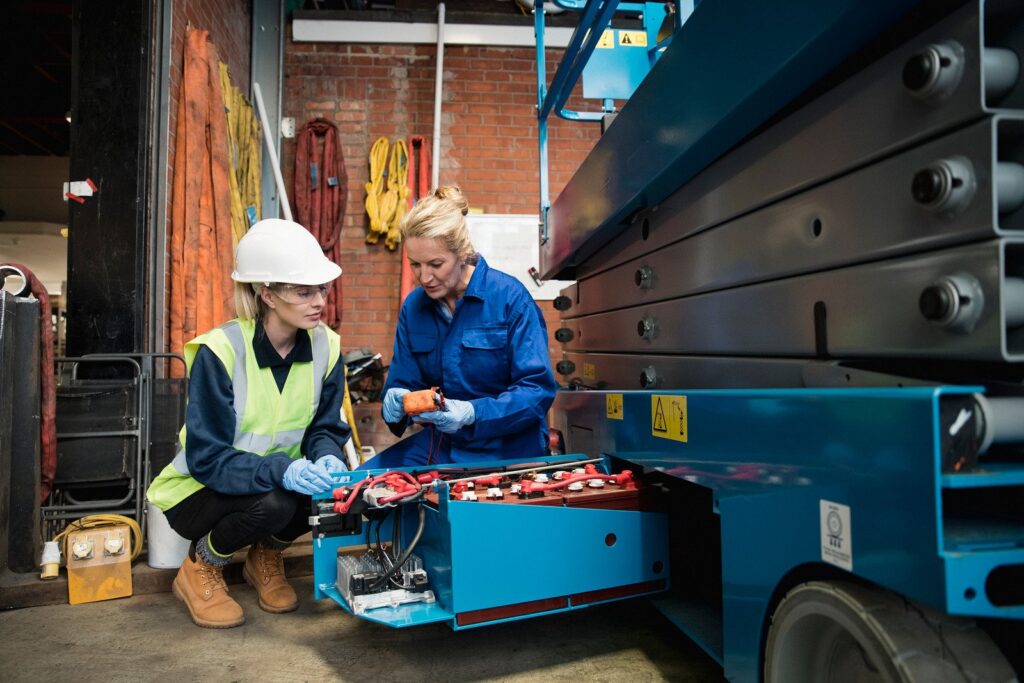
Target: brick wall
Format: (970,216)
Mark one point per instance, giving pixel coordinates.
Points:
(488,146)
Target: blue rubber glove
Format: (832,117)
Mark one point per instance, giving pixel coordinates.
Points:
(392,409)
(303,476)
(332,463)
(455,416)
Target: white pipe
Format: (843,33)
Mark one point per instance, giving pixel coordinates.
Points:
(351,455)
(435,159)
(385,33)
(350,448)
(272,151)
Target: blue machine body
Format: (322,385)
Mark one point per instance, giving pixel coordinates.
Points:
(775,459)
(801,484)
(622,57)
(683,118)
(529,560)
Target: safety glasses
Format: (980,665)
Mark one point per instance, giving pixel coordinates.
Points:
(301,294)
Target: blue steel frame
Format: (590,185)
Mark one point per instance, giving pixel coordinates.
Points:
(769,457)
(482,555)
(595,17)
(730,68)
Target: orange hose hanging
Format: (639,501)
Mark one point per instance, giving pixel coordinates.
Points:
(201,251)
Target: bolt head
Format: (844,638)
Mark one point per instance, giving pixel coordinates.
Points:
(920,70)
(935,303)
(928,186)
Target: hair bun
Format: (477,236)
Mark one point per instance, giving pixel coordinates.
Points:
(453,194)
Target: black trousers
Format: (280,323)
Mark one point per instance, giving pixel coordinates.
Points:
(234,522)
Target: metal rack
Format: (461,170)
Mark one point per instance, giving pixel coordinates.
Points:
(120,431)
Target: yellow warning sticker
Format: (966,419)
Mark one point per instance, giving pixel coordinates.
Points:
(633,38)
(613,406)
(668,417)
(589,371)
(607,40)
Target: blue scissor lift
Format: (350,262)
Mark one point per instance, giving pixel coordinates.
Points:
(793,353)
(765,320)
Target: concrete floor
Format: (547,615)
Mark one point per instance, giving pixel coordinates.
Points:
(150,637)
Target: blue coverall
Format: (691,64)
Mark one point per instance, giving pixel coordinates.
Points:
(493,353)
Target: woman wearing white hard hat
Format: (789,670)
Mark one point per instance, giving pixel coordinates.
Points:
(262,430)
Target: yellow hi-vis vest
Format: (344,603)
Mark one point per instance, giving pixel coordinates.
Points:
(266,420)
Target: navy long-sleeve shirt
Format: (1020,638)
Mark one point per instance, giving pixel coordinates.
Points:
(210,421)
(493,352)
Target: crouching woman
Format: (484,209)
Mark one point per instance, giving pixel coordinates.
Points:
(262,429)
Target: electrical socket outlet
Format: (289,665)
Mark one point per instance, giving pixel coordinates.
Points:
(101,568)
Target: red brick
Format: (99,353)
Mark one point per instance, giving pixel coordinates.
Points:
(488,145)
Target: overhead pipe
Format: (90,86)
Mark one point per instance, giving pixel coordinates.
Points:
(435,161)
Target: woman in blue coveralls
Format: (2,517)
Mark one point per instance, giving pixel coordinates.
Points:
(476,333)
(262,430)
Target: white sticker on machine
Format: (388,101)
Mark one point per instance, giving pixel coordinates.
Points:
(836,535)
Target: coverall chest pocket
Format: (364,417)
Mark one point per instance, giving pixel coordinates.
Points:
(485,354)
(427,354)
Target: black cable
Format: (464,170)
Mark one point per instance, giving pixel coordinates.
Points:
(396,534)
(382,556)
(405,555)
(396,546)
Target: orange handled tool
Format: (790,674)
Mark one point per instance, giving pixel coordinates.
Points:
(424,401)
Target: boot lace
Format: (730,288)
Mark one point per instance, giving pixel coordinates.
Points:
(212,577)
(271,561)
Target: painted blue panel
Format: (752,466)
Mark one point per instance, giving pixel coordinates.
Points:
(967,574)
(615,72)
(987,474)
(874,450)
(771,456)
(507,554)
(730,67)
(415,614)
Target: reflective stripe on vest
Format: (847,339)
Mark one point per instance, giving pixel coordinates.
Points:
(251,441)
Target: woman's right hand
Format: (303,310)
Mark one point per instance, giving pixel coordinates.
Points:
(303,476)
(393,409)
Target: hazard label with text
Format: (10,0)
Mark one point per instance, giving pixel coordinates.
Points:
(613,406)
(633,38)
(668,417)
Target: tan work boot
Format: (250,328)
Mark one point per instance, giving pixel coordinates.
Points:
(264,571)
(201,587)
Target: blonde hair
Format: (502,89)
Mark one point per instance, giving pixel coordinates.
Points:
(442,216)
(248,302)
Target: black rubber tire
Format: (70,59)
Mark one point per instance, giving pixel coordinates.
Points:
(844,632)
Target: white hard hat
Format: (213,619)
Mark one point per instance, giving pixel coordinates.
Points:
(276,250)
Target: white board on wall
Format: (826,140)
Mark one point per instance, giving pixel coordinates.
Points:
(509,242)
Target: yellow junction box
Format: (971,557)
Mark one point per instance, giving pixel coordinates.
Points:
(99,564)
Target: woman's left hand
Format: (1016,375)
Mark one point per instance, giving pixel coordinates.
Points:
(456,415)
(332,463)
